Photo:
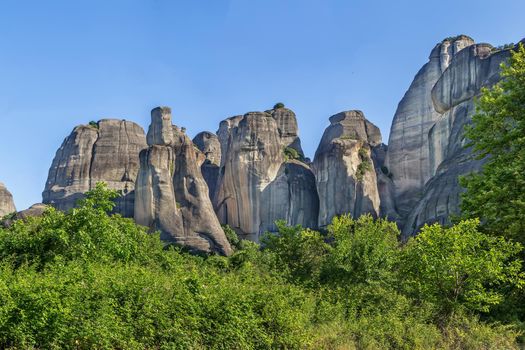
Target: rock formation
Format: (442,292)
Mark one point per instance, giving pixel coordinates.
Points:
(107,151)
(35,210)
(208,143)
(408,147)
(258,184)
(7,206)
(288,128)
(171,194)
(344,169)
(453,98)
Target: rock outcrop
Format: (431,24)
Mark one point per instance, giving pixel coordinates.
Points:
(7,205)
(344,169)
(453,97)
(107,151)
(288,128)
(36,210)
(208,143)
(171,194)
(408,152)
(258,184)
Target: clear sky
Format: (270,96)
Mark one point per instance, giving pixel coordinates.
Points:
(64,63)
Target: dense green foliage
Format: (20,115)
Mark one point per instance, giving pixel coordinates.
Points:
(496,195)
(291,153)
(278,105)
(88,279)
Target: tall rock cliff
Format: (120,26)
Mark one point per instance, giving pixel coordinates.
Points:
(344,169)
(258,182)
(7,206)
(408,146)
(453,99)
(171,193)
(107,151)
(208,143)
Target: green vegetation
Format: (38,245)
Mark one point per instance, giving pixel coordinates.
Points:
(365,165)
(291,153)
(278,105)
(497,194)
(88,279)
(93,124)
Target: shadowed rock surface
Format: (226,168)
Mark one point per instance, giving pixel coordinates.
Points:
(106,152)
(453,96)
(208,143)
(257,184)
(7,205)
(171,194)
(408,153)
(344,169)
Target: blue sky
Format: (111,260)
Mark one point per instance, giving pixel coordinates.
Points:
(64,63)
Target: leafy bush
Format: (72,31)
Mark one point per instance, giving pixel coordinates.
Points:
(291,153)
(93,124)
(460,268)
(362,169)
(278,105)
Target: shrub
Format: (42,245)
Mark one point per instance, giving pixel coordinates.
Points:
(278,105)
(460,268)
(93,124)
(291,153)
(362,168)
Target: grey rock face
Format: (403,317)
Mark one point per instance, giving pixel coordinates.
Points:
(159,132)
(408,154)
(225,128)
(288,129)
(256,186)
(343,167)
(208,143)
(107,153)
(7,205)
(453,97)
(171,194)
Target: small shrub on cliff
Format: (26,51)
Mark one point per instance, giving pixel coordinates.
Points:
(362,169)
(93,124)
(278,105)
(291,153)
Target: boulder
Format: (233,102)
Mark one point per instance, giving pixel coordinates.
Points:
(171,193)
(107,151)
(258,184)
(453,95)
(408,147)
(344,169)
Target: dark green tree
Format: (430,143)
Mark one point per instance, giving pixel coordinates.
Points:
(496,195)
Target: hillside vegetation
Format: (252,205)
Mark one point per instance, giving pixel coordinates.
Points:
(88,279)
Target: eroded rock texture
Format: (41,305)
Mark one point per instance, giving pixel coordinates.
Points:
(453,97)
(105,152)
(344,168)
(171,194)
(288,128)
(257,184)
(408,153)
(208,143)
(7,205)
